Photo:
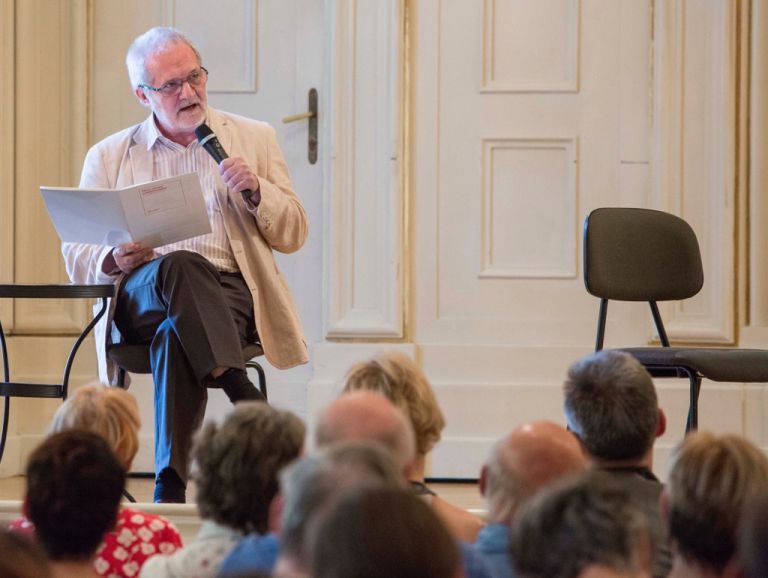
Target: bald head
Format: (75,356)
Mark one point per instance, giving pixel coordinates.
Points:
(528,459)
(367,416)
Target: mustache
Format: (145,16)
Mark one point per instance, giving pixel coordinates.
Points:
(184,105)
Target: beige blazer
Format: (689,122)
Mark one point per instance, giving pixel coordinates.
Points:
(278,223)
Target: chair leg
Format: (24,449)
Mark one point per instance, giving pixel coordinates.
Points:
(693,405)
(6,419)
(262,376)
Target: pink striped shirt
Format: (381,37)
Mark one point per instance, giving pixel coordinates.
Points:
(172,159)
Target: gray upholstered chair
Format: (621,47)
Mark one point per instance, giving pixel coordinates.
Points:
(645,255)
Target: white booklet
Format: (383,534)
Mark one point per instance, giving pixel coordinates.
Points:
(153,214)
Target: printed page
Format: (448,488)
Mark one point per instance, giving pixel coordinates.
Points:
(166,211)
(154,213)
(87,215)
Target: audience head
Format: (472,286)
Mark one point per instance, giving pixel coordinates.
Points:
(312,483)
(379,533)
(582,526)
(110,412)
(611,405)
(400,380)
(74,485)
(753,536)
(367,416)
(711,480)
(151,42)
(236,464)
(21,558)
(533,456)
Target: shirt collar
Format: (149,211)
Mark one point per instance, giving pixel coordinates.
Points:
(154,135)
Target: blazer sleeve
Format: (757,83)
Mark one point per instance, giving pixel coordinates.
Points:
(280,216)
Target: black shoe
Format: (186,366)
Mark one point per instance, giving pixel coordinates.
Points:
(237,386)
(169,489)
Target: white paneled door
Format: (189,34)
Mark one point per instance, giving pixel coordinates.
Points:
(528,115)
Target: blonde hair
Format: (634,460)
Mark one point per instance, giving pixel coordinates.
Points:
(399,379)
(107,411)
(710,480)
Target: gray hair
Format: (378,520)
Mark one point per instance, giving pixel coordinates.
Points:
(611,405)
(315,481)
(153,41)
(586,520)
(236,464)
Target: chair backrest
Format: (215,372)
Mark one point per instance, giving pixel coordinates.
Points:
(640,255)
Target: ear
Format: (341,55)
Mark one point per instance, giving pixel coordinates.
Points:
(661,428)
(276,513)
(483,481)
(142,96)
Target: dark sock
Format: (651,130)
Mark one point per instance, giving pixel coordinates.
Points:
(169,488)
(237,386)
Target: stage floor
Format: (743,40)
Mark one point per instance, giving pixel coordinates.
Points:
(464,495)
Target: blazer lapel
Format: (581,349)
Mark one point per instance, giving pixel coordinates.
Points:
(220,128)
(141,164)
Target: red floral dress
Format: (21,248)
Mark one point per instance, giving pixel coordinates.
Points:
(137,536)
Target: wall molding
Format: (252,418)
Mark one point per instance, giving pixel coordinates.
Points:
(50,138)
(570,79)
(364,220)
(694,160)
(235,22)
(563,265)
(7,151)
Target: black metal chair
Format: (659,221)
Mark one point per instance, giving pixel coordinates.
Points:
(8,388)
(635,254)
(133,358)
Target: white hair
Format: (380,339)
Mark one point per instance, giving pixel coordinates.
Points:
(153,41)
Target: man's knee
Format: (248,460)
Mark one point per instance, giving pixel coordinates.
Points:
(181,261)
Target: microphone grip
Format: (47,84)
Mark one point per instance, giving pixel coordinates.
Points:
(214,148)
(212,145)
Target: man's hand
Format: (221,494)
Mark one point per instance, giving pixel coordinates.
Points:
(128,257)
(238,176)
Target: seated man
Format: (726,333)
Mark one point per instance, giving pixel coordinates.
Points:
(197,302)
(611,405)
(530,458)
(583,527)
(711,480)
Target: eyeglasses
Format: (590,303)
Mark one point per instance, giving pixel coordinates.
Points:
(173,87)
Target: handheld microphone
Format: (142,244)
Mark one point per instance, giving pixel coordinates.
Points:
(210,143)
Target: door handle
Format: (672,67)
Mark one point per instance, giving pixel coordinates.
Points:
(311,114)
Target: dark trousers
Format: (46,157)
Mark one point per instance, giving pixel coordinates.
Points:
(194,319)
